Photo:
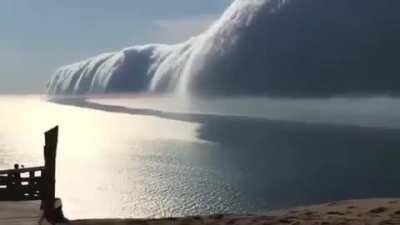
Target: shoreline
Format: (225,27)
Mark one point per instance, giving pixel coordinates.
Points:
(378,211)
(351,212)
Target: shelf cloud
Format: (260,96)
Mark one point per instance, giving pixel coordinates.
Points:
(291,48)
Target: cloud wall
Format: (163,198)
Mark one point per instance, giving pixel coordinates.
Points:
(271,47)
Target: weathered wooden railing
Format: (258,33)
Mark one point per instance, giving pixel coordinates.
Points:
(35,183)
(21,184)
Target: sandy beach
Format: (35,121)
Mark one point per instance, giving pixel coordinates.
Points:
(352,212)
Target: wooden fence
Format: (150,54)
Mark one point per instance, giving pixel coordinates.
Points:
(35,183)
(22,184)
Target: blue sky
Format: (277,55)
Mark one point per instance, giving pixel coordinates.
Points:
(38,36)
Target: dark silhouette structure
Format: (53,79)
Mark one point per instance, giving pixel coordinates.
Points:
(34,183)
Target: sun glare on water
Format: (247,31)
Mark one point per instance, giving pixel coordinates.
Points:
(90,142)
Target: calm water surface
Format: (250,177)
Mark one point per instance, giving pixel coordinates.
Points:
(128,162)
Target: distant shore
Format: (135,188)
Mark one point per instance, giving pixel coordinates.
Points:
(352,212)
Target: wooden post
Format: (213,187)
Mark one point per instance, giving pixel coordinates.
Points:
(50,150)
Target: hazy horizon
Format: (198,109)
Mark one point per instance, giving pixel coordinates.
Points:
(40,36)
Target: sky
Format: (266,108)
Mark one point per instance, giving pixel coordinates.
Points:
(36,37)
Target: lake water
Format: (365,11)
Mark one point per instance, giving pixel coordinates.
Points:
(138,156)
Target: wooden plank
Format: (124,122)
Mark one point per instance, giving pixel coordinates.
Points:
(19,192)
(21,196)
(22,170)
(7,180)
(20,213)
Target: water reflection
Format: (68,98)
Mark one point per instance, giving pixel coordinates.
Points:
(99,153)
(287,163)
(119,161)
